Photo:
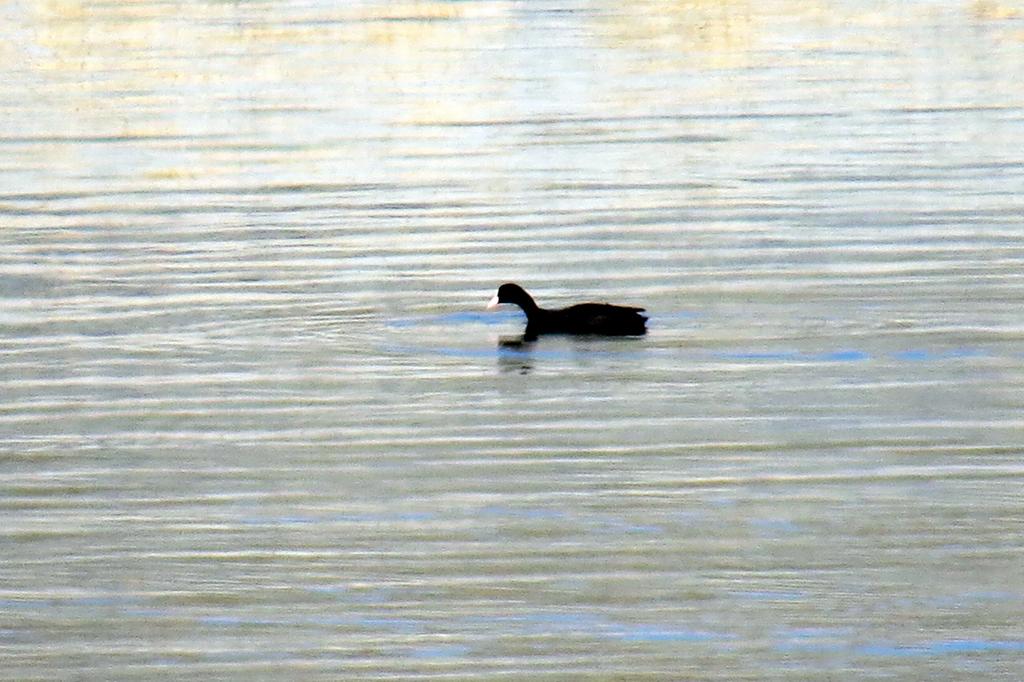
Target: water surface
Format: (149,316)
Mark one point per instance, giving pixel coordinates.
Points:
(254,420)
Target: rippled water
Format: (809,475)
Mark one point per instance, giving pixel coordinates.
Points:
(254,420)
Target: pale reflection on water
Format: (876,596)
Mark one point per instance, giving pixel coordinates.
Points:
(254,419)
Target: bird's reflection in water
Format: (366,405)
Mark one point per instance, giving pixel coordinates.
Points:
(514,353)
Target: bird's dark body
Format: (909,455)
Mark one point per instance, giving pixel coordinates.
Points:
(588,318)
(603,319)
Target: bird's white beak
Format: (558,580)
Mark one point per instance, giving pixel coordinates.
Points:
(493,303)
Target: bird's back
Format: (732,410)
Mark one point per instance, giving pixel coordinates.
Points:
(598,318)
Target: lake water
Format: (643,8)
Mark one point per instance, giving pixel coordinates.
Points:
(254,421)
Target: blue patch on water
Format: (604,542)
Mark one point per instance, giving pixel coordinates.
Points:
(541,513)
(494,510)
(850,355)
(24,603)
(892,650)
(976,645)
(992,595)
(534,350)
(575,619)
(590,624)
(957,646)
(223,621)
(844,356)
(397,625)
(761,355)
(927,355)
(296,520)
(437,651)
(149,613)
(411,516)
(641,528)
(463,317)
(499,317)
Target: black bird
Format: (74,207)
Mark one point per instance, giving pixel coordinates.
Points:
(584,318)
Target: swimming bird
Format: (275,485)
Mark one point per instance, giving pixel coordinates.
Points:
(601,319)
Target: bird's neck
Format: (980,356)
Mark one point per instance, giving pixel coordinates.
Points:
(529,306)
